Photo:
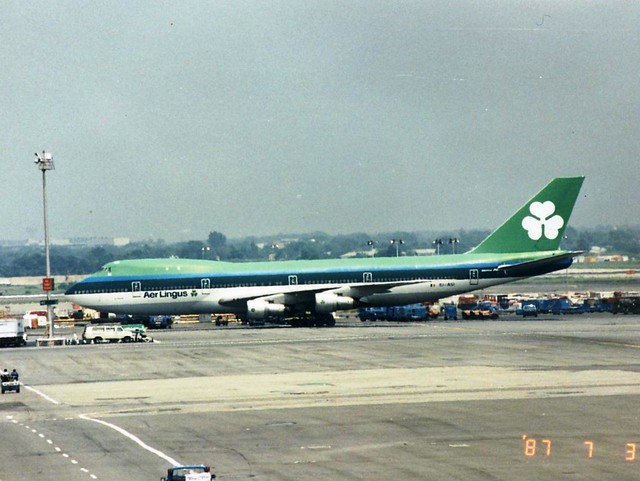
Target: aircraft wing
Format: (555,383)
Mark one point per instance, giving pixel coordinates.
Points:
(304,294)
(289,294)
(367,289)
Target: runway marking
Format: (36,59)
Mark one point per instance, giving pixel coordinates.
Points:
(40,393)
(50,442)
(133,438)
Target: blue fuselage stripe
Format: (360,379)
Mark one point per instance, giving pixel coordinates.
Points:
(486,270)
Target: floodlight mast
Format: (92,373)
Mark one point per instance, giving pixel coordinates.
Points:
(44,162)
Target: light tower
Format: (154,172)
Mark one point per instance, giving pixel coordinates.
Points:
(453,241)
(397,243)
(44,162)
(437,243)
(371,243)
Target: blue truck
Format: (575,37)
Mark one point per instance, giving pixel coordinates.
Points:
(556,306)
(411,312)
(372,314)
(159,322)
(450,311)
(528,310)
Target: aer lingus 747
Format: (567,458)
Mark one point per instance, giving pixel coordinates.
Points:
(311,291)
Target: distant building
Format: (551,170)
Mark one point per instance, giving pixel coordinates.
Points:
(12,243)
(121,241)
(100,241)
(424,252)
(602,258)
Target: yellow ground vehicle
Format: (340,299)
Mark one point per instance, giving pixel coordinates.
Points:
(481,311)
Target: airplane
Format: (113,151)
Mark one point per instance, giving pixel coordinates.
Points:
(310,292)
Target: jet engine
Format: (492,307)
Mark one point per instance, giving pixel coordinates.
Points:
(330,301)
(261,309)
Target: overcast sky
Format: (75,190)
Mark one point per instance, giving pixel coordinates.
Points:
(171,119)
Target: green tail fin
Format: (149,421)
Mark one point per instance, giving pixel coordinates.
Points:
(539,224)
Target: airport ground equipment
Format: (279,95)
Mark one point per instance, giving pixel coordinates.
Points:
(529,310)
(554,305)
(620,303)
(189,472)
(450,311)
(110,333)
(35,319)
(160,322)
(408,313)
(372,314)
(626,305)
(9,383)
(12,333)
(482,310)
(12,385)
(412,312)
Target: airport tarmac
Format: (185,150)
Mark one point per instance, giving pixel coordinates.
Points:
(546,399)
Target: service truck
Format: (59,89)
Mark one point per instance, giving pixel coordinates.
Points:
(35,319)
(12,333)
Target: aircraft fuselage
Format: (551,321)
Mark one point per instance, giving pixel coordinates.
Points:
(183,286)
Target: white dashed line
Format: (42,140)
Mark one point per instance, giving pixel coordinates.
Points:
(50,442)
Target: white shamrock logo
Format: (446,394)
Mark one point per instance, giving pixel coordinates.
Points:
(542,222)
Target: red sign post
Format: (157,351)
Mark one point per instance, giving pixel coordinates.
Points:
(47,284)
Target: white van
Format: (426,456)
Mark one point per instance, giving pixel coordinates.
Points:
(106,333)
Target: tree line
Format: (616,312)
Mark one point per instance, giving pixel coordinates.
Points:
(16,261)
